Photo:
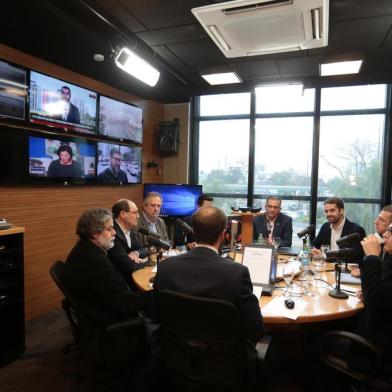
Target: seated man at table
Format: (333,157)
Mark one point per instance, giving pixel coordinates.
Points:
(180,238)
(149,218)
(383,220)
(202,272)
(92,279)
(127,252)
(273,223)
(376,276)
(337,226)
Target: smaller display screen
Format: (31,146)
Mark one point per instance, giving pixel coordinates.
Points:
(13,91)
(178,199)
(62,159)
(61,104)
(120,120)
(119,164)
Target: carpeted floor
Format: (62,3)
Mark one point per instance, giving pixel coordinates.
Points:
(45,368)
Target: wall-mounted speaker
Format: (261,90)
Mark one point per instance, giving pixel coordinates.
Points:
(168,139)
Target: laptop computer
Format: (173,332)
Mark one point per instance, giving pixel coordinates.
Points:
(261,262)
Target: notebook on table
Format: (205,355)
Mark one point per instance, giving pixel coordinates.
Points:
(261,262)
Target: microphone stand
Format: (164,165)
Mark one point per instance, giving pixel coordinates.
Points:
(336,292)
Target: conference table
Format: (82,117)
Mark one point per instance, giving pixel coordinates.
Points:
(313,309)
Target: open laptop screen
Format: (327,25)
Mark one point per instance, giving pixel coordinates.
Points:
(261,263)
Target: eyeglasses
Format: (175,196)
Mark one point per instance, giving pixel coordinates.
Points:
(116,158)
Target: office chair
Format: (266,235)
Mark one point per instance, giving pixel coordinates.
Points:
(203,347)
(113,348)
(357,358)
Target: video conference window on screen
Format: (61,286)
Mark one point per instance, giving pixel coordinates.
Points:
(50,102)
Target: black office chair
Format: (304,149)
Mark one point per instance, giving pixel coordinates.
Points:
(203,345)
(113,348)
(357,358)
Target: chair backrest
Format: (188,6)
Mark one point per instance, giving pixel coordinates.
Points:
(354,356)
(203,343)
(79,325)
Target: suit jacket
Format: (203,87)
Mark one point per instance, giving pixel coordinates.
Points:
(161,228)
(324,237)
(283,228)
(376,321)
(118,255)
(201,272)
(73,115)
(180,237)
(98,287)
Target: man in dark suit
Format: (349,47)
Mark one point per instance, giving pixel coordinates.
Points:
(376,280)
(202,272)
(273,223)
(149,218)
(91,278)
(70,111)
(127,251)
(337,226)
(180,238)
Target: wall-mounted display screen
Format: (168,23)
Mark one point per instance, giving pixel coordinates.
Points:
(61,104)
(61,159)
(120,120)
(178,199)
(13,91)
(119,164)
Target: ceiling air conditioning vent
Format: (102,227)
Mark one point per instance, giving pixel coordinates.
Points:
(256,27)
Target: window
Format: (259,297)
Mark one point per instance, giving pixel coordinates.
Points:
(350,133)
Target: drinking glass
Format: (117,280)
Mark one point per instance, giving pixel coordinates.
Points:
(308,282)
(324,249)
(288,275)
(276,242)
(318,262)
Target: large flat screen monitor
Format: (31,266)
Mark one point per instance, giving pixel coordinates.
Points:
(120,120)
(61,104)
(65,160)
(117,164)
(179,200)
(13,91)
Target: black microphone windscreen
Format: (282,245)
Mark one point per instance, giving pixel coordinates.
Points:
(157,242)
(184,225)
(306,231)
(344,241)
(145,231)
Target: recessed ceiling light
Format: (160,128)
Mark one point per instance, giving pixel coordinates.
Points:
(341,68)
(222,78)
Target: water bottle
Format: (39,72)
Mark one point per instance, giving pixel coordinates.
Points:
(305,258)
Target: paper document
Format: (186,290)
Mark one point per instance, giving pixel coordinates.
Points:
(345,277)
(277,307)
(258,261)
(257,291)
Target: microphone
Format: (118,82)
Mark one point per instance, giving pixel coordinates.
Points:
(185,226)
(344,241)
(305,231)
(158,243)
(147,232)
(344,254)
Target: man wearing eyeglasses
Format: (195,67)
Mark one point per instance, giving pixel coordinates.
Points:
(127,251)
(114,174)
(273,223)
(376,278)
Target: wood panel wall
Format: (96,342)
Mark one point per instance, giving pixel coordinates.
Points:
(49,213)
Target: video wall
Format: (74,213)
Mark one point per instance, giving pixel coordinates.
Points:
(60,148)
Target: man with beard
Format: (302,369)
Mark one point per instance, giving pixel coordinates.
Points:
(90,277)
(337,226)
(113,174)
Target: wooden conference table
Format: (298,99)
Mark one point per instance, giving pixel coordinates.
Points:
(321,307)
